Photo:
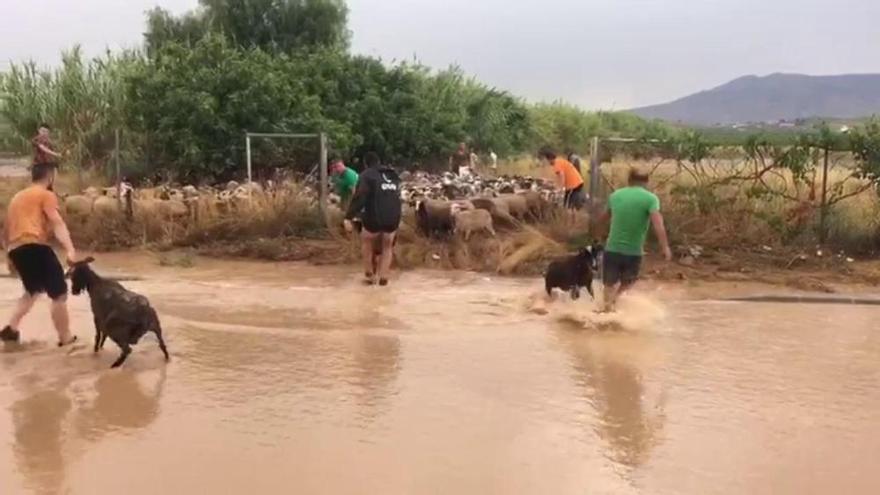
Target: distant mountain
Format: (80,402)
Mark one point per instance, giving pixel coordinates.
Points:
(773,98)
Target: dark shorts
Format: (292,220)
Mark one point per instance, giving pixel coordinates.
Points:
(574,198)
(620,268)
(39,270)
(379,228)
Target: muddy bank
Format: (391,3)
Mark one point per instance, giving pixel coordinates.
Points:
(791,268)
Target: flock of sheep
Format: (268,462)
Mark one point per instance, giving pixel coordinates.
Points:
(168,202)
(463,205)
(442,204)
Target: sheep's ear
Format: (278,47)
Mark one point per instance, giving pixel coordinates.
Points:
(88,260)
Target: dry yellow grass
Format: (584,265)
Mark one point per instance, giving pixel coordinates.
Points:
(699,210)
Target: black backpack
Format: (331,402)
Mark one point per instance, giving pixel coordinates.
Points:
(385,203)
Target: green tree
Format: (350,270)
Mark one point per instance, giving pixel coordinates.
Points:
(281,26)
(195,104)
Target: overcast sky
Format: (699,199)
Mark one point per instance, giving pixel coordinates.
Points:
(600,54)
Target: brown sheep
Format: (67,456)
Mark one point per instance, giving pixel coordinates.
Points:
(537,206)
(469,221)
(497,208)
(435,216)
(519,207)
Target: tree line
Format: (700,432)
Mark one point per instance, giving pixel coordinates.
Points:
(203,78)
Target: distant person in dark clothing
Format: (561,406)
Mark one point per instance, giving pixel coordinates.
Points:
(377,201)
(44,154)
(575,160)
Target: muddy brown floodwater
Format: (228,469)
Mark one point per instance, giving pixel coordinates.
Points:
(295,379)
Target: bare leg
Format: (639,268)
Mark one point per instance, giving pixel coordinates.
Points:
(61,319)
(22,308)
(387,255)
(367,253)
(625,286)
(610,298)
(613,293)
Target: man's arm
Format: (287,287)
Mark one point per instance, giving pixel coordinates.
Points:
(360,198)
(660,232)
(59,228)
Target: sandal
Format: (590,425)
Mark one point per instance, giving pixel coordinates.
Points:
(69,342)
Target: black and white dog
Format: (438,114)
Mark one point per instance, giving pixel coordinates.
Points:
(119,313)
(574,272)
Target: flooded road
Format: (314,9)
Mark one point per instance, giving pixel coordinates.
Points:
(295,379)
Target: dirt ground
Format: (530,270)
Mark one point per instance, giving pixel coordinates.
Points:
(797,270)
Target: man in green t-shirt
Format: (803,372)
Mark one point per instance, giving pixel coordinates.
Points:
(344,180)
(630,209)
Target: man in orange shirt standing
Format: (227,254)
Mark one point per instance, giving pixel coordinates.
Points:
(32,217)
(568,179)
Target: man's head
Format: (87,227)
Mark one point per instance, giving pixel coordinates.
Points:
(547,154)
(43,130)
(43,173)
(462,147)
(337,166)
(371,159)
(638,177)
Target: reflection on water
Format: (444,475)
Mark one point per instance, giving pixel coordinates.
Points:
(121,404)
(37,420)
(377,361)
(292,379)
(606,369)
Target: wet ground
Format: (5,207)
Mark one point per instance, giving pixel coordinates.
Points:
(295,379)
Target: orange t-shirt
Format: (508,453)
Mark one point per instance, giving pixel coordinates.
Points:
(571,178)
(27,220)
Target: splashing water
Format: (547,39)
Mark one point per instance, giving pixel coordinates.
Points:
(636,312)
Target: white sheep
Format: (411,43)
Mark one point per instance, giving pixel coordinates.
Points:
(78,205)
(106,205)
(469,221)
(173,208)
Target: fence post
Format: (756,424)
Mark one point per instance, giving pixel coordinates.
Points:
(118,169)
(823,211)
(250,169)
(595,174)
(322,194)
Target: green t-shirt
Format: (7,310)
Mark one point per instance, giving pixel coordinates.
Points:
(631,209)
(345,184)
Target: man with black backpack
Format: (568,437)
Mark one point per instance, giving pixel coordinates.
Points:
(377,201)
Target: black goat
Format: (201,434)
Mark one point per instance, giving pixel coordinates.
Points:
(573,272)
(119,314)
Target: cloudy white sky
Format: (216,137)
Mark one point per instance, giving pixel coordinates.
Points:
(601,54)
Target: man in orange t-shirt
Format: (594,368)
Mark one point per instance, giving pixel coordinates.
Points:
(567,178)
(32,218)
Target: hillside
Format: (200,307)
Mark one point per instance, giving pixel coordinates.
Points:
(773,98)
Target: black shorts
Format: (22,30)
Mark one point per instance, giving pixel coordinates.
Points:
(574,198)
(620,268)
(39,270)
(379,228)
